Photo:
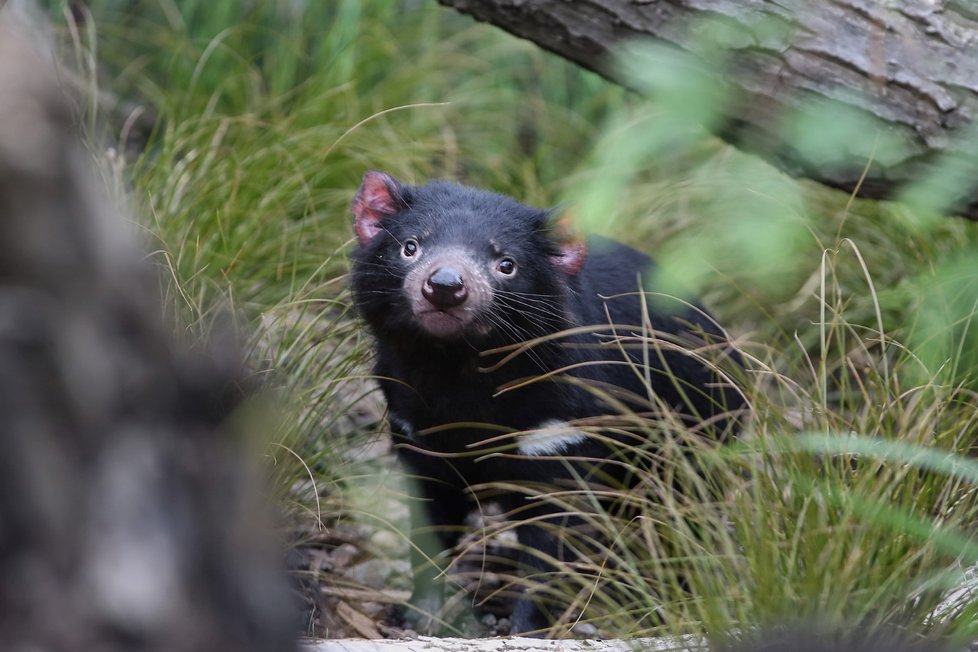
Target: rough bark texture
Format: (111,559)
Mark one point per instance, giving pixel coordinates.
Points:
(786,640)
(908,63)
(509,644)
(126,519)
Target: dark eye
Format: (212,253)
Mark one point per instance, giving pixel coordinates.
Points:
(410,248)
(506,266)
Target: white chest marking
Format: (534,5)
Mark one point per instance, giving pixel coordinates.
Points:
(552,437)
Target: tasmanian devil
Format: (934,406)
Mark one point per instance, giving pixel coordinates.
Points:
(453,281)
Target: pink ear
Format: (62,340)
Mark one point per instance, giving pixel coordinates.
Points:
(379,197)
(571,246)
(571,257)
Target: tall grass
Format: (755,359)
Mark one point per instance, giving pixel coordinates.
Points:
(857,317)
(858,321)
(264,117)
(849,499)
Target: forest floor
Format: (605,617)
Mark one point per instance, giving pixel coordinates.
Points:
(355,578)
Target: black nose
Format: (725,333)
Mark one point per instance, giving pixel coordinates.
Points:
(445,288)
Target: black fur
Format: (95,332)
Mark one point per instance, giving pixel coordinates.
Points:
(432,379)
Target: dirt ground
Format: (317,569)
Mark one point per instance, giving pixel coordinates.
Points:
(354,577)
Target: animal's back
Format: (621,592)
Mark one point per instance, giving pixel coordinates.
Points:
(665,349)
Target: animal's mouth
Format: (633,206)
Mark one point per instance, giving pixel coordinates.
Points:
(441,323)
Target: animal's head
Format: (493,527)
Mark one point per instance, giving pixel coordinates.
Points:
(458,263)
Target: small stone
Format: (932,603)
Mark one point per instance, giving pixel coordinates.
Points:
(400,575)
(587,630)
(489,620)
(344,554)
(372,573)
(390,543)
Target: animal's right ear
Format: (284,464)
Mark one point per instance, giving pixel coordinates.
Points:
(571,247)
(380,196)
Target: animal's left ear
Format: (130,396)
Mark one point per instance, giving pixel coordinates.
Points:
(571,247)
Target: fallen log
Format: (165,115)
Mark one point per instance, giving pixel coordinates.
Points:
(515,644)
(904,68)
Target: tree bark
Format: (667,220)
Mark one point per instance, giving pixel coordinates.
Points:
(516,644)
(910,65)
(127,520)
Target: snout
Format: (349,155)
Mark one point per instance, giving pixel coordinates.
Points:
(448,292)
(445,288)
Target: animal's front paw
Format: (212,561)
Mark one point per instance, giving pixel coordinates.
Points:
(528,619)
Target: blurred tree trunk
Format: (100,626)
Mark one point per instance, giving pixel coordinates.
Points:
(127,520)
(910,64)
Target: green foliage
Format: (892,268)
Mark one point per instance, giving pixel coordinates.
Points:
(859,322)
(266,114)
(271,111)
(858,317)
